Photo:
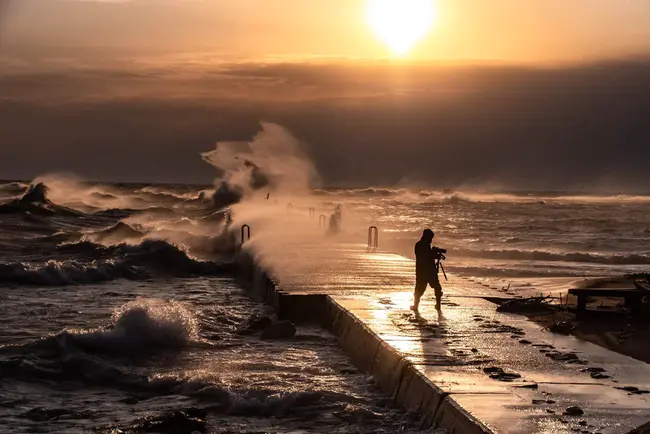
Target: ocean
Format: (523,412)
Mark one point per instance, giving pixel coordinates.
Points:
(120,312)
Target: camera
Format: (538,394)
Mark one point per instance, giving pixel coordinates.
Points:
(440,252)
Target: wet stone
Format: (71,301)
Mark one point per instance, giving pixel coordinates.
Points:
(594,369)
(505,376)
(633,390)
(279,330)
(529,386)
(574,411)
(562,327)
(599,376)
(253,324)
(525,342)
(543,401)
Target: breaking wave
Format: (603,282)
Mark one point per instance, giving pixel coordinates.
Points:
(141,261)
(58,273)
(117,233)
(13,188)
(35,201)
(539,255)
(139,329)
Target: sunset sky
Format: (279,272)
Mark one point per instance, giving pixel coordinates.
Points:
(539,93)
(506,30)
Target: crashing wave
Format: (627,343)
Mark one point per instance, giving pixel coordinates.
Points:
(139,329)
(118,233)
(35,201)
(13,188)
(162,256)
(102,195)
(148,259)
(58,273)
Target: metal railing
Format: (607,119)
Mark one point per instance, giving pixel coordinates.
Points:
(312,213)
(289,207)
(245,233)
(322,221)
(373,238)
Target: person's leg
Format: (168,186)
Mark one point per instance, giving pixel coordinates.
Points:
(420,287)
(438,291)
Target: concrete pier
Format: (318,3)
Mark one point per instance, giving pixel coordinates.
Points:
(467,368)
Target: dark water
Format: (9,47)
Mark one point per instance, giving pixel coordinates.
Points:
(119,313)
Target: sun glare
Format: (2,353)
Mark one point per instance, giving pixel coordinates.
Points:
(400,24)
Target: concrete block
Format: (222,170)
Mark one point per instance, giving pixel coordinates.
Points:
(457,420)
(357,341)
(418,394)
(300,307)
(388,367)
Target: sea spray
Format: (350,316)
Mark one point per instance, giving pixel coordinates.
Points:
(154,322)
(273,160)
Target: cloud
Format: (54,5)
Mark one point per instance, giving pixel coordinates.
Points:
(363,124)
(4,10)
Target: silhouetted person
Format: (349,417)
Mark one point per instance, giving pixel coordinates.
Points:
(426,269)
(335,220)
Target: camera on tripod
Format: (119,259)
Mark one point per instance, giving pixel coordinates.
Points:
(440,253)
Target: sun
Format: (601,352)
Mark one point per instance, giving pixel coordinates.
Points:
(401,24)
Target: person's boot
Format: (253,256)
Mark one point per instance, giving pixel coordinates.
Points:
(438,304)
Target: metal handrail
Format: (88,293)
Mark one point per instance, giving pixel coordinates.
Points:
(312,213)
(373,238)
(289,207)
(322,221)
(245,230)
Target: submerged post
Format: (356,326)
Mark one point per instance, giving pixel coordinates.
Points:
(373,238)
(312,213)
(245,233)
(322,221)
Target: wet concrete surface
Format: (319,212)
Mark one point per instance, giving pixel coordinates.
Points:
(502,368)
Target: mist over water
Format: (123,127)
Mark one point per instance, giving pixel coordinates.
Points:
(122,294)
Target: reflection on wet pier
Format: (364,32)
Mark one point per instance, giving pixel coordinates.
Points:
(500,370)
